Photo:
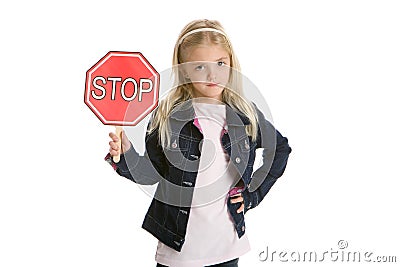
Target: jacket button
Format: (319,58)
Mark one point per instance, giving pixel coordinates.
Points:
(237,160)
(174,145)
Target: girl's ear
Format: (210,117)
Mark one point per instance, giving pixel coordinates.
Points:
(182,68)
(184,74)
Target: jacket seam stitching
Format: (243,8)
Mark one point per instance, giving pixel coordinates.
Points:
(154,219)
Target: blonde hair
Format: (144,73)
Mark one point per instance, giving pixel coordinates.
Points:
(232,93)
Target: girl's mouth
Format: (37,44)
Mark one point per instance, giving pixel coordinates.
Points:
(212,84)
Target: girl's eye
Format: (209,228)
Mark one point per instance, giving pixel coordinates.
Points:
(220,63)
(200,67)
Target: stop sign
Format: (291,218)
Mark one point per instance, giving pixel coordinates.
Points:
(122,88)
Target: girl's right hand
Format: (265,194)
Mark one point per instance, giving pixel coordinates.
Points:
(114,148)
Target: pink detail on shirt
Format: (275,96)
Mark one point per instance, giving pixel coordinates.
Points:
(197,124)
(223,132)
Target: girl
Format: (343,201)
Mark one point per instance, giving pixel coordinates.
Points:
(200,149)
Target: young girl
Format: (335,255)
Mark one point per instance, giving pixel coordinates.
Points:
(200,149)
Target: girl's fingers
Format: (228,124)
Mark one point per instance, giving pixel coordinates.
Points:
(113,152)
(113,136)
(113,145)
(236,200)
(240,209)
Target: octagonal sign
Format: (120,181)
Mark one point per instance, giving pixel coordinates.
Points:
(120,80)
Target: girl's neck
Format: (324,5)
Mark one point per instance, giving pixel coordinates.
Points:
(207,100)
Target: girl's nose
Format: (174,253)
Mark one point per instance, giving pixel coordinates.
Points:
(211,75)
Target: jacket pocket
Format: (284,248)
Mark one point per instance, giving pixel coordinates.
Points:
(176,152)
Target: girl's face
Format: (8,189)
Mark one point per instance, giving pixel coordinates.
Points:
(208,68)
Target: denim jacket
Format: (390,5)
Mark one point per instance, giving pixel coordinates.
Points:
(175,167)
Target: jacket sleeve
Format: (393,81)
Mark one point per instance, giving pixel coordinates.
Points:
(142,169)
(275,155)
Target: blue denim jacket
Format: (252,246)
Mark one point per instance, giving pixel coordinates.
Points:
(175,167)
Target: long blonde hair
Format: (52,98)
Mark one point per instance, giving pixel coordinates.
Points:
(184,91)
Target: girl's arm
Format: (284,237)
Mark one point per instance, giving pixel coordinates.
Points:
(273,166)
(141,169)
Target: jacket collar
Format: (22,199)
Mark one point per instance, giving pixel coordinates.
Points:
(185,112)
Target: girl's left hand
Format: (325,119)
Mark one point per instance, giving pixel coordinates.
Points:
(238,198)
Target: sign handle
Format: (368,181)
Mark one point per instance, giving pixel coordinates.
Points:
(118,132)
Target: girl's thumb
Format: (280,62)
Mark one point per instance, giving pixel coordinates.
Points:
(125,141)
(124,137)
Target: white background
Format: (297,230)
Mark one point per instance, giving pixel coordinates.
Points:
(329,71)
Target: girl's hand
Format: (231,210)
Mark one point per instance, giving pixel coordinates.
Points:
(238,198)
(114,149)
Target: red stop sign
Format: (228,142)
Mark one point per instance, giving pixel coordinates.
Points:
(122,88)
